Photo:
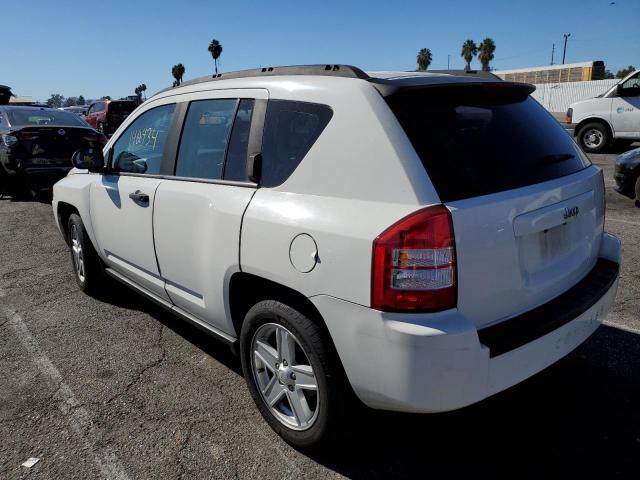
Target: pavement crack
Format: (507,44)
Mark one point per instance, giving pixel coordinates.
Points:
(163,354)
(183,446)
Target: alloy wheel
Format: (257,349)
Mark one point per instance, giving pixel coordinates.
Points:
(284,376)
(77,253)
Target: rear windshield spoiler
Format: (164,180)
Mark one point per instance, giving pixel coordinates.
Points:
(478,88)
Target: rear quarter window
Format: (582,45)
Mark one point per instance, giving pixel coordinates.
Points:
(291,129)
(472,143)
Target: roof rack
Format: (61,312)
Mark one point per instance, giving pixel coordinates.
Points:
(346,71)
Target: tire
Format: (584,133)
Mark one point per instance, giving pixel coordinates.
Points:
(637,190)
(318,422)
(87,267)
(593,137)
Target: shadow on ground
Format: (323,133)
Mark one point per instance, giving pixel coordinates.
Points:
(41,196)
(123,297)
(580,417)
(617,148)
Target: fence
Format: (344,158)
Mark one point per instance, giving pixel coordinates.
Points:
(556,97)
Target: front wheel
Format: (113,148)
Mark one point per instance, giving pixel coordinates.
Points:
(593,137)
(291,373)
(87,268)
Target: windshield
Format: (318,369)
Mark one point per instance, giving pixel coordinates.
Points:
(44,116)
(474,144)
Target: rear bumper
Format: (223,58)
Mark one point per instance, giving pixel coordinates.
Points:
(437,362)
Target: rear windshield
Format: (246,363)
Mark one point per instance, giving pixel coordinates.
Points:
(122,107)
(474,141)
(45,116)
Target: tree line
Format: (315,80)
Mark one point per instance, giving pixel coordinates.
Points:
(484,51)
(623,72)
(214,49)
(56,101)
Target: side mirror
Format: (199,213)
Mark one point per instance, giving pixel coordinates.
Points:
(619,90)
(89,159)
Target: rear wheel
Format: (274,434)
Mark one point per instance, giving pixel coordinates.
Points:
(637,190)
(593,137)
(290,372)
(87,268)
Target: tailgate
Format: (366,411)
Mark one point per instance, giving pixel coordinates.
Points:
(526,203)
(519,249)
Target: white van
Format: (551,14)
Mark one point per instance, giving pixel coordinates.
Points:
(613,115)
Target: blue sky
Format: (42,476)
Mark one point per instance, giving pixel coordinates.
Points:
(97,48)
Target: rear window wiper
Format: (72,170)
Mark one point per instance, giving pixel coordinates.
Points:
(555,158)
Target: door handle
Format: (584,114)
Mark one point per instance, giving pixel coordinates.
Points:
(139,197)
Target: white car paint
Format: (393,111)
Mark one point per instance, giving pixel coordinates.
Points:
(183,248)
(620,113)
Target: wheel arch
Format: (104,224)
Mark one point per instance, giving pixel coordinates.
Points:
(64,211)
(245,290)
(594,120)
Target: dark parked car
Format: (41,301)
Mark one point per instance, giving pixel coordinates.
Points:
(627,175)
(107,115)
(36,145)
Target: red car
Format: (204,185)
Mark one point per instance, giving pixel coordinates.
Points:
(107,115)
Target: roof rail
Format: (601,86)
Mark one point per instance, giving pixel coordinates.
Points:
(346,71)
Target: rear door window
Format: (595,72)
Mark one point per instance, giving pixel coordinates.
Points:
(291,129)
(236,164)
(475,140)
(205,137)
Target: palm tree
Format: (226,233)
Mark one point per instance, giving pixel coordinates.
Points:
(424,59)
(215,49)
(485,52)
(177,71)
(469,50)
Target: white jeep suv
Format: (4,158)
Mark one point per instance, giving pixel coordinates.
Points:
(423,241)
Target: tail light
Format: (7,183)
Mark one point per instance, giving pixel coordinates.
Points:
(414,266)
(97,137)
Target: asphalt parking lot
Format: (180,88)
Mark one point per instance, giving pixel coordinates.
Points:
(117,388)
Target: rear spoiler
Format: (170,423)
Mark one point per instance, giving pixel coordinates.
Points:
(469,86)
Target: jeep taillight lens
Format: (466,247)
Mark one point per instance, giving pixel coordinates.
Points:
(414,266)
